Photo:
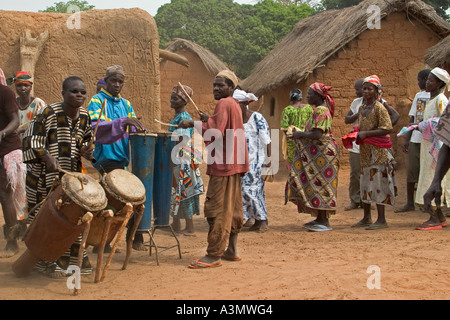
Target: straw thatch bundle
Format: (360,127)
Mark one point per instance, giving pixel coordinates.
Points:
(209,60)
(439,55)
(317,38)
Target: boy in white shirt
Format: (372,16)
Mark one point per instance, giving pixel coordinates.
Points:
(413,140)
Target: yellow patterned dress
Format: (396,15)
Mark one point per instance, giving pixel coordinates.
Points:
(377,183)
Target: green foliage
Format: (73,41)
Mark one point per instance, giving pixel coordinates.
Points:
(63,6)
(240,35)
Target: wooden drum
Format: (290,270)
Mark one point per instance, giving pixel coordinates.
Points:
(126,194)
(59,223)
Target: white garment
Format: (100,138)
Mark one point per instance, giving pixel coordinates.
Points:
(356,104)
(416,111)
(434,107)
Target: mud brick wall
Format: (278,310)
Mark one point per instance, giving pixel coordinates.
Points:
(128,37)
(195,76)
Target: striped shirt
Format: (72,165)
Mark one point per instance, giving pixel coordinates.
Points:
(52,132)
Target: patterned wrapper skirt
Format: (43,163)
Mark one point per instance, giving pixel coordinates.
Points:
(378,184)
(188,186)
(313,179)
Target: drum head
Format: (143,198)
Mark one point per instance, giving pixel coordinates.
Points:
(124,186)
(85,191)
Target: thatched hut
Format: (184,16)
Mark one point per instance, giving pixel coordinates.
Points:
(199,75)
(338,47)
(439,55)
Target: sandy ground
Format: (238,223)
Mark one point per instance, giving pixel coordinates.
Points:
(285,263)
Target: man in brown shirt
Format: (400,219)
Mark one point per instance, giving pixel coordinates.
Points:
(227,162)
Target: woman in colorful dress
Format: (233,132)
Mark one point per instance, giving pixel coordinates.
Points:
(188,183)
(313,178)
(377,170)
(294,116)
(437,80)
(29,106)
(258,143)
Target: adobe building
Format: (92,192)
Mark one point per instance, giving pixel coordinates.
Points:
(337,47)
(198,73)
(53,46)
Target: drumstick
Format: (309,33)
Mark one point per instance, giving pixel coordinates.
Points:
(73,175)
(166,124)
(189,97)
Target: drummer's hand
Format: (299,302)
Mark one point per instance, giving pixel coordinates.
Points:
(51,163)
(184,124)
(87,151)
(203,116)
(135,122)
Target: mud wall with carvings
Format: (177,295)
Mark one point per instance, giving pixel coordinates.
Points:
(85,44)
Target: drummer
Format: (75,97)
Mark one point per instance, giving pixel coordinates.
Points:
(57,139)
(112,137)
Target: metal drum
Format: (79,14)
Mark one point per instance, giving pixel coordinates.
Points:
(58,223)
(142,165)
(163,175)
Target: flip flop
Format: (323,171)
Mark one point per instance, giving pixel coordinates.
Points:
(311,223)
(427,227)
(377,226)
(444,224)
(231,258)
(319,228)
(203,265)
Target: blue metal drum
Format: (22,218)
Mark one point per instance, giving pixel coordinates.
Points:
(142,165)
(163,175)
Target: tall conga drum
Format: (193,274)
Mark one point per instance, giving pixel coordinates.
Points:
(142,165)
(58,224)
(163,175)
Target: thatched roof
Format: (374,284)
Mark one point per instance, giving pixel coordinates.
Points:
(439,54)
(317,38)
(209,59)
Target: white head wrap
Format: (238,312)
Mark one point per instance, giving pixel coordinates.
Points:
(242,96)
(442,75)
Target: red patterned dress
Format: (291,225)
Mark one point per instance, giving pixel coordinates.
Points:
(313,178)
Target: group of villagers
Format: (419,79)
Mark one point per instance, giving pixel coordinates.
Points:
(309,148)
(313,160)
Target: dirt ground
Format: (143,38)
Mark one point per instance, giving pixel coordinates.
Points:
(285,263)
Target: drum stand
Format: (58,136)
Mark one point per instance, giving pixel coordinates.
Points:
(152,243)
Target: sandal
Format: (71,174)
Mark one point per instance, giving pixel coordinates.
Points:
(426,227)
(203,265)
